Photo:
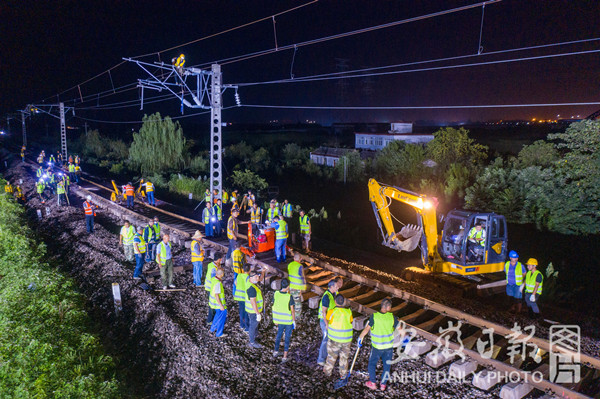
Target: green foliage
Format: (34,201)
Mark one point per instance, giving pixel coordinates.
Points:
(451,145)
(540,153)
(93,144)
(355,168)
(117,149)
(198,165)
(550,282)
(400,164)
(185,185)
(294,156)
(159,146)
(457,179)
(116,168)
(248,180)
(46,348)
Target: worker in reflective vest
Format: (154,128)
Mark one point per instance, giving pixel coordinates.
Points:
(255,214)
(71,171)
(178,63)
(232,231)
(150,193)
(234,199)
(77,173)
(88,209)
(239,295)
(215,195)
(8,188)
(381,326)
(251,199)
(77,160)
(129,194)
(305,230)
(59,157)
(254,307)
(61,192)
(207,197)
(197,257)
(40,186)
(19,194)
(139,249)
(284,317)
(297,281)
(515,274)
(208,217)
(164,258)
(218,211)
(225,197)
(211,270)
(475,243)
(126,240)
(39,172)
(339,331)
(272,212)
(326,303)
(151,240)
(286,209)
(534,280)
(216,303)
(156,236)
(281,235)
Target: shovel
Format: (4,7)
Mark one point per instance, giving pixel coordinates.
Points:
(343,381)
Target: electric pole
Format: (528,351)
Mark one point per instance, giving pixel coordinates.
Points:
(63,131)
(24,129)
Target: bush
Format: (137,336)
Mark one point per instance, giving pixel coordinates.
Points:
(185,185)
(248,180)
(198,165)
(46,347)
(116,168)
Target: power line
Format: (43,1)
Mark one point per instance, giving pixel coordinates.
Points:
(425,106)
(134,122)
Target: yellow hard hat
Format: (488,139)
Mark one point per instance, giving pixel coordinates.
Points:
(532,261)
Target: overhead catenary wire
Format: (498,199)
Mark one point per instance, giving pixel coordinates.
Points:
(413,107)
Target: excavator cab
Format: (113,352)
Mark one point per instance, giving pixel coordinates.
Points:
(483,252)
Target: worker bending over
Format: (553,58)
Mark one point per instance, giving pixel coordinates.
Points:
(284,317)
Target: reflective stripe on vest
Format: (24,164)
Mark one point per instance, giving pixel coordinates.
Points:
(287,210)
(331,303)
(212,301)
(259,300)
(197,251)
(128,234)
(219,213)
(477,234)
(129,190)
(60,189)
(281,232)
(231,227)
(518,276)
(207,196)
(210,273)
(255,215)
(141,246)
(530,282)
(272,212)
(241,281)
(149,187)
(238,260)
(207,214)
(304,229)
(382,332)
(71,168)
(297,281)
(282,314)
(156,230)
(340,328)
(162,250)
(87,207)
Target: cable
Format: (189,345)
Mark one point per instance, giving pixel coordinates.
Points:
(424,107)
(130,122)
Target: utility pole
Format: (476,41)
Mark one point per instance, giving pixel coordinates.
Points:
(8,124)
(86,125)
(24,129)
(216,105)
(63,131)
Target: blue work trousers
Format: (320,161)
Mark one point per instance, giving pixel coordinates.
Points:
(232,243)
(532,305)
(129,201)
(197,273)
(323,348)
(280,249)
(208,229)
(151,253)
(150,196)
(287,329)
(89,223)
(139,264)
(211,314)
(219,322)
(253,327)
(217,226)
(386,356)
(244,322)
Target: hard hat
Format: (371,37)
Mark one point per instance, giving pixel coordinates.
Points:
(513,254)
(182,55)
(532,261)
(89,198)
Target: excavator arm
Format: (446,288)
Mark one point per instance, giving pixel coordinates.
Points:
(409,237)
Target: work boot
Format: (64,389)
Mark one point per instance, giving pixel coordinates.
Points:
(371,385)
(382,387)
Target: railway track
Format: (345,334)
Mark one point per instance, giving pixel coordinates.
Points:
(429,323)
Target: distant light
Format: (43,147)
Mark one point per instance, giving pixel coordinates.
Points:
(533,120)
(2,133)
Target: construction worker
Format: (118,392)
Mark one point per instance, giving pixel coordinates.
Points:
(225,197)
(77,160)
(234,199)
(381,326)
(327,303)
(126,240)
(207,197)
(211,270)
(22,155)
(534,280)
(151,240)
(61,192)
(59,158)
(164,258)
(475,242)
(272,212)
(232,231)
(286,209)
(515,275)
(239,295)
(40,186)
(216,302)
(251,199)
(197,257)
(129,194)
(70,159)
(40,159)
(238,260)
(208,217)
(52,160)
(156,227)
(88,210)
(19,195)
(218,211)
(254,307)
(339,331)
(8,188)
(139,249)
(284,317)
(150,193)
(255,214)
(39,172)
(51,181)
(297,282)
(67,183)
(72,172)
(77,173)
(215,195)
(305,230)
(281,235)
(178,63)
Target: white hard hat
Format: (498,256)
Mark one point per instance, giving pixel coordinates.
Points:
(89,198)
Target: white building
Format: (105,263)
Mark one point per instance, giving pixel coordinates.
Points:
(328,155)
(399,131)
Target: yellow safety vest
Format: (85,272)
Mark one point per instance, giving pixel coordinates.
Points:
(238,259)
(518,276)
(297,281)
(197,251)
(340,328)
(331,303)
(162,250)
(304,228)
(281,232)
(255,215)
(231,227)
(530,282)
(128,234)
(141,246)
(382,332)
(259,299)
(149,187)
(282,314)
(241,281)
(212,268)
(212,301)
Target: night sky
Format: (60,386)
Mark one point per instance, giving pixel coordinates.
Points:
(48,47)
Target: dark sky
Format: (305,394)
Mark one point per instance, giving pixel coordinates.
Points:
(50,46)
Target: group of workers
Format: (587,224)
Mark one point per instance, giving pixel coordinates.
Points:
(14,191)
(50,183)
(521,283)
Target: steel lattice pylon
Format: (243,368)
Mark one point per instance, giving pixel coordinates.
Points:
(63,131)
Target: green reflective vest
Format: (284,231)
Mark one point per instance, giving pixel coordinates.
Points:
(219,212)
(281,232)
(212,301)
(297,281)
(530,282)
(207,196)
(304,228)
(156,231)
(210,273)
(477,234)
(128,235)
(39,172)
(382,332)
(162,250)
(271,213)
(207,214)
(71,168)
(259,299)
(282,314)
(141,246)
(287,210)
(40,187)
(340,328)
(331,303)
(60,189)
(518,276)
(241,281)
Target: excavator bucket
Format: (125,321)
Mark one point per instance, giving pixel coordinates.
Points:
(407,239)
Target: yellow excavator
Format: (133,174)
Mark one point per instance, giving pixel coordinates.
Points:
(469,243)
(121,193)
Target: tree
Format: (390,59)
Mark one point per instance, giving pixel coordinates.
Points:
(451,145)
(540,153)
(248,180)
(400,163)
(353,165)
(159,146)
(294,156)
